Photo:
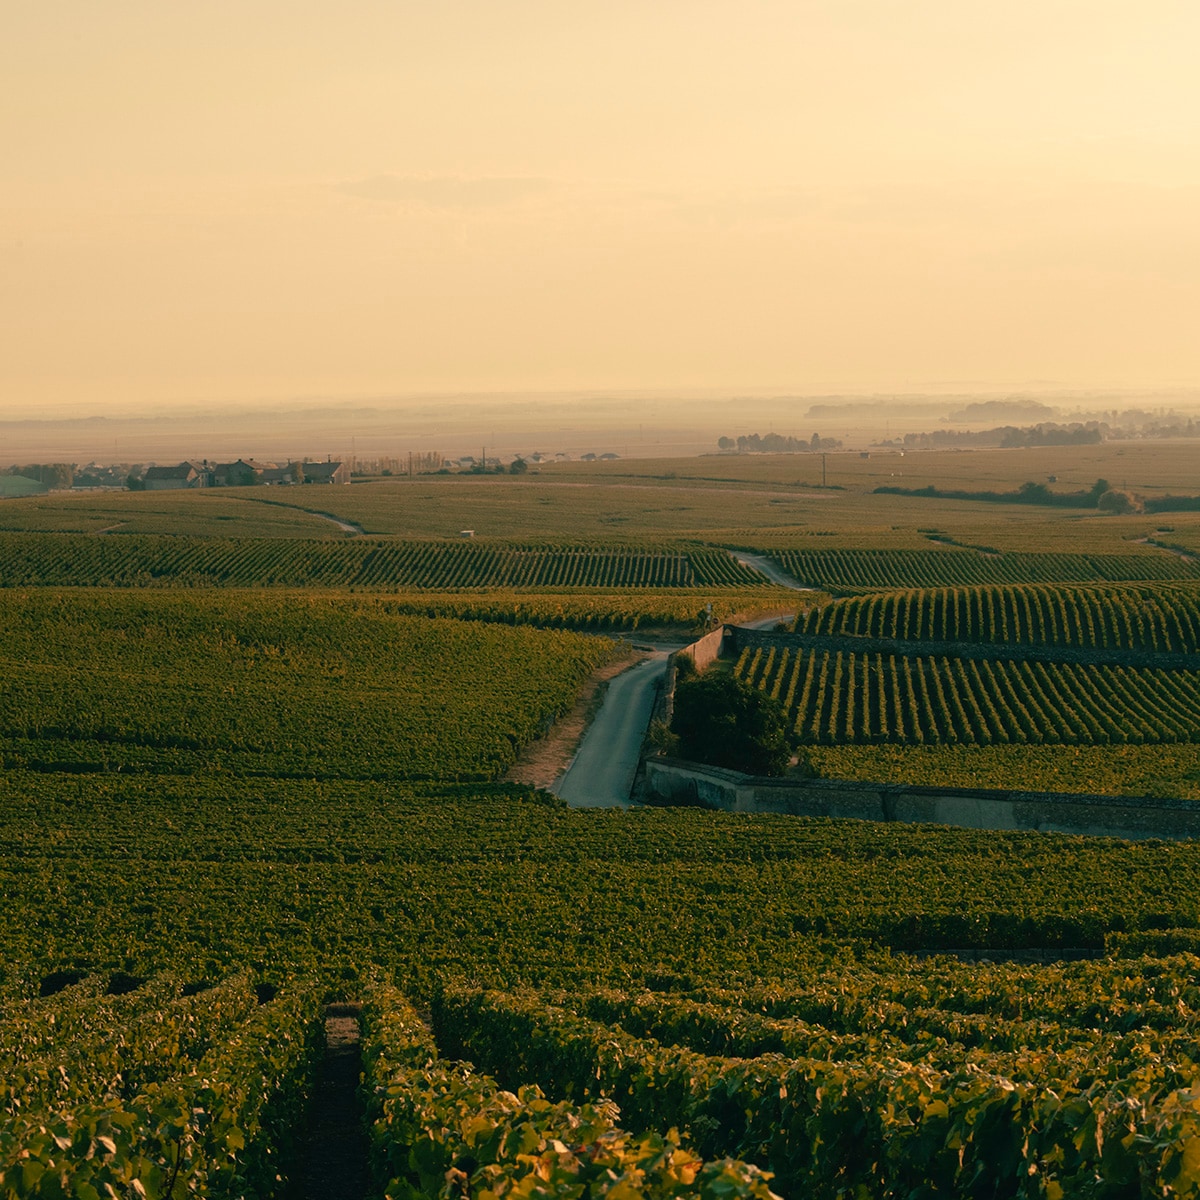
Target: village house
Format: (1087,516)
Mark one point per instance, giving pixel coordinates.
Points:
(276,476)
(325,472)
(185,475)
(243,473)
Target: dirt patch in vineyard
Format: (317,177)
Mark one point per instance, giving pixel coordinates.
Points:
(544,761)
(333,1157)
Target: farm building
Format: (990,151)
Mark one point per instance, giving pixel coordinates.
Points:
(243,473)
(325,472)
(280,475)
(185,475)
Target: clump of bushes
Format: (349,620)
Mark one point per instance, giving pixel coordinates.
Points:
(721,721)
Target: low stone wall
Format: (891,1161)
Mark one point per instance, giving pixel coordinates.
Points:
(707,649)
(673,781)
(703,652)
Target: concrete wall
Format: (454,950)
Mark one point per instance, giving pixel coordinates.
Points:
(707,650)
(677,782)
(703,652)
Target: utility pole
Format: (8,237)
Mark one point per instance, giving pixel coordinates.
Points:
(822,470)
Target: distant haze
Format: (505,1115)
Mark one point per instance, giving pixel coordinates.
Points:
(634,424)
(229,204)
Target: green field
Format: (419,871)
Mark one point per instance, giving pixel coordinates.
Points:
(233,791)
(718,933)
(1137,617)
(280,686)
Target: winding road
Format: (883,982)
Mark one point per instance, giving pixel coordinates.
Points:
(602,772)
(764,566)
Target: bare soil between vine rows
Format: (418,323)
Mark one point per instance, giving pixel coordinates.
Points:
(542,762)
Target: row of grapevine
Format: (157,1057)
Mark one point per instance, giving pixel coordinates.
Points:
(928,1035)
(1163,618)
(874,1127)
(493,878)
(841,697)
(851,569)
(219,1123)
(183,682)
(617,610)
(1000,1004)
(74,1047)
(440,1129)
(29,559)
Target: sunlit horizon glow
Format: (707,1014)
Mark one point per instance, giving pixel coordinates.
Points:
(201,205)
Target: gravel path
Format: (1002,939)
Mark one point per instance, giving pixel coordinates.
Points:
(764,566)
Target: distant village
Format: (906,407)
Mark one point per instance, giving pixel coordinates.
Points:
(246,472)
(35,478)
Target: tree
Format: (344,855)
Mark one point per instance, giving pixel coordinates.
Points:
(1118,501)
(724,722)
(519,467)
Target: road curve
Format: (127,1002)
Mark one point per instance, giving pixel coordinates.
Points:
(601,773)
(764,566)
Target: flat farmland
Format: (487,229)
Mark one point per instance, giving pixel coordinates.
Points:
(1152,466)
(200,513)
(770,501)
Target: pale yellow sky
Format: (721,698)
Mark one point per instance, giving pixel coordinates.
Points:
(265,199)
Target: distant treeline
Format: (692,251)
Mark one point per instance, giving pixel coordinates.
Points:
(1100,495)
(1048,433)
(1159,504)
(777,443)
(1027,493)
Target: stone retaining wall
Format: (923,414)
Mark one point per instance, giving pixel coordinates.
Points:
(673,781)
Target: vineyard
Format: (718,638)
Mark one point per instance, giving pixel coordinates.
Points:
(1164,618)
(946,1081)
(80,560)
(850,570)
(120,1084)
(891,1098)
(233,794)
(1166,770)
(271,684)
(162,987)
(836,697)
(684,609)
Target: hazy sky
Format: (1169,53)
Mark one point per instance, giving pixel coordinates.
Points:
(271,198)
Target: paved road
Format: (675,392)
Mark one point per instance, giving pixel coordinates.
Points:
(601,774)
